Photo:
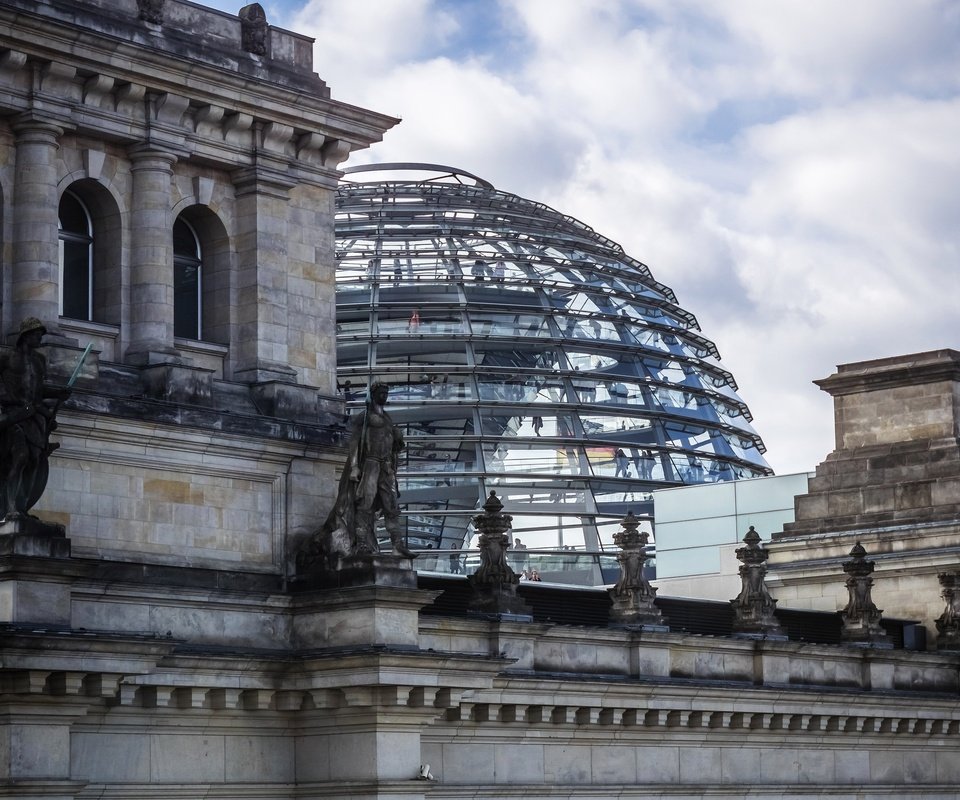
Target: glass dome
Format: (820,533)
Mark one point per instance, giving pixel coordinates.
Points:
(527,355)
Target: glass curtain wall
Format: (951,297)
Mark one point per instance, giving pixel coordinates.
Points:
(527,355)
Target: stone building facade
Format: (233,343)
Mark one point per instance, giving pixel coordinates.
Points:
(163,647)
(892,484)
(166,183)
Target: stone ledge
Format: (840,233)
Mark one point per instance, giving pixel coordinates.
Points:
(911,370)
(135,574)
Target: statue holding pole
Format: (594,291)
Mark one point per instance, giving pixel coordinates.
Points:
(28,410)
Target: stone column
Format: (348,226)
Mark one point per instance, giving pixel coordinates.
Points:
(861,617)
(151,259)
(261,334)
(36,260)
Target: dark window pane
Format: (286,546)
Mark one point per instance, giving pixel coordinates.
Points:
(76,258)
(186,282)
(75,275)
(186,287)
(73,216)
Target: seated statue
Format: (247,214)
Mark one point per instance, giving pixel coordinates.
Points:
(28,408)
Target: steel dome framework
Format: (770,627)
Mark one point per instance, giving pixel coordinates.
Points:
(527,355)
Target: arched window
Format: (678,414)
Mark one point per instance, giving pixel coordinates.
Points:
(76,258)
(187,282)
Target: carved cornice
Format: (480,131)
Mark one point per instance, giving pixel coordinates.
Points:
(887,373)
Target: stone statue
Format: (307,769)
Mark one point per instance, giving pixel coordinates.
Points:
(494,584)
(28,409)
(754,607)
(253,29)
(151,11)
(633,596)
(861,617)
(368,486)
(948,623)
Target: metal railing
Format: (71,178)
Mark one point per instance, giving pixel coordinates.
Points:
(564,567)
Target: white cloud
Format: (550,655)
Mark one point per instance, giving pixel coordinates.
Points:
(789,168)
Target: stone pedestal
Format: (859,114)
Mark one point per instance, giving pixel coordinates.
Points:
(30,593)
(176,383)
(372,569)
(29,536)
(362,616)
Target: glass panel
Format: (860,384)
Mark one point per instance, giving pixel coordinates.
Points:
(518,457)
(597,427)
(418,321)
(517,325)
(431,388)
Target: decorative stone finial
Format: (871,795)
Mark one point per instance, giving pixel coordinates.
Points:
(632,595)
(754,607)
(948,623)
(494,583)
(861,618)
(253,29)
(151,11)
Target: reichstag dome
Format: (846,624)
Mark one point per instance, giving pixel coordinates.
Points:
(526,354)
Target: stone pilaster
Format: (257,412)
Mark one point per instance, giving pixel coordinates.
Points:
(261,331)
(151,259)
(36,261)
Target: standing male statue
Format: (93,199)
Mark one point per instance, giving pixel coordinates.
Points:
(368,486)
(28,409)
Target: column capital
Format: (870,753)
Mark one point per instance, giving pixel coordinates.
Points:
(37,127)
(149,156)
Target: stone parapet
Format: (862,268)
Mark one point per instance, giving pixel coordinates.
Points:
(208,689)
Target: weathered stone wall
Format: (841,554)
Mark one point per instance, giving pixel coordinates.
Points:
(892,484)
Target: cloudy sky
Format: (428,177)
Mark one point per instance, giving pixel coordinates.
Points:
(791,168)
